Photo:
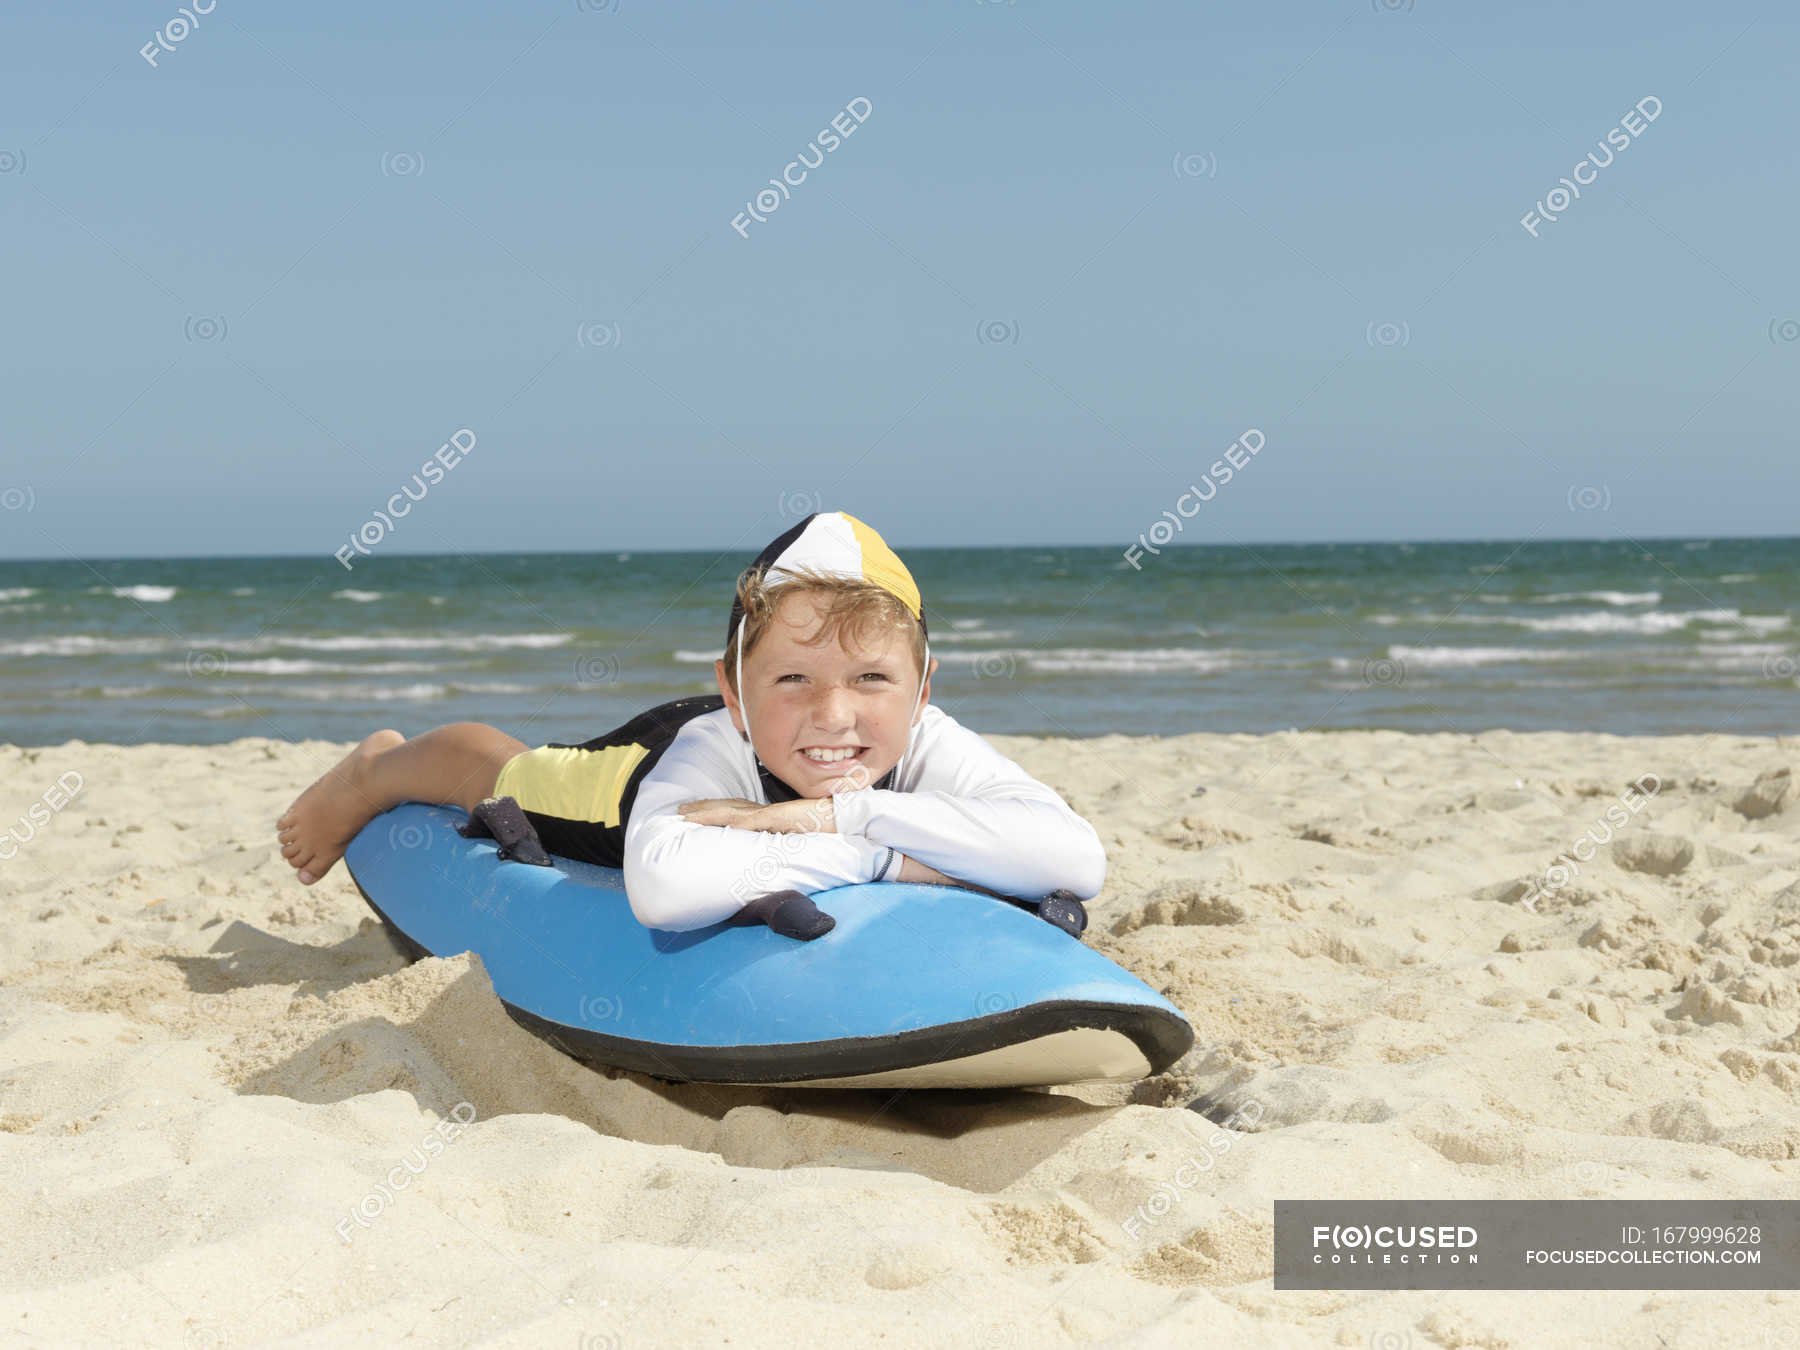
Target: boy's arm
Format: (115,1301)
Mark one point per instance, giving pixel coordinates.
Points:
(978,816)
(679,875)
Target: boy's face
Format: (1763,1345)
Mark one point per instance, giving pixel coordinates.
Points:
(825,697)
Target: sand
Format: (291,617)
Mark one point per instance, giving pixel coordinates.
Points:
(232,1114)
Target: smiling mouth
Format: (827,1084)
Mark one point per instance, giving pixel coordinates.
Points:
(838,757)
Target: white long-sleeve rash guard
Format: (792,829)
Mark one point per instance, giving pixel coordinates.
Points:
(957,805)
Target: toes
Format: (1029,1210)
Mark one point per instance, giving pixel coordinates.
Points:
(291,851)
(307,878)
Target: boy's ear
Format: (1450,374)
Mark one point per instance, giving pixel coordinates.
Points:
(925,694)
(731,702)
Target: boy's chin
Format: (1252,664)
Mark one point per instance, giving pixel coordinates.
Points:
(818,791)
(826,784)
(814,792)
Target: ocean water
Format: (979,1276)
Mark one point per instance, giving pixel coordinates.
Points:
(1627,637)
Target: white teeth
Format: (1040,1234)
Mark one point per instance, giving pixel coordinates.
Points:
(829,756)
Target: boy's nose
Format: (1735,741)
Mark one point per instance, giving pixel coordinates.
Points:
(832,710)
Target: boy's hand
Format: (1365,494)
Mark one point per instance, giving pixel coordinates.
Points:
(733,811)
(804,815)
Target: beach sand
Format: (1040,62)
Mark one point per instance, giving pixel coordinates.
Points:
(207,1071)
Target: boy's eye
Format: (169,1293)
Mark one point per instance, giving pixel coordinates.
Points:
(867,675)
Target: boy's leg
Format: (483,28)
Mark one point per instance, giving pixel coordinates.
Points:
(455,765)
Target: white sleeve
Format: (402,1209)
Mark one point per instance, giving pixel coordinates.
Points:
(975,815)
(680,875)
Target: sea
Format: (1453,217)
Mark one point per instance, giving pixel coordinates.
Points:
(1628,637)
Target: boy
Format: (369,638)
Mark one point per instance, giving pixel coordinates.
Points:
(831,744)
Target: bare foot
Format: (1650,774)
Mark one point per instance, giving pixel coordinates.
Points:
(323,820)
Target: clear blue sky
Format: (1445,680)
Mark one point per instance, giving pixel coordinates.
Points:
(1182,220)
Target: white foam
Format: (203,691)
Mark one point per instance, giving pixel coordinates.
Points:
(1602,597)
(17,592)
(376,693)
(1106,660)
(361,597)
(148,595)
(277,665)
(1736,656)
(83,644)
(423,692)
(1649,622)
(1655,621)
(1439,657)
(477,642)
(243,590)
(1731,578)
(1758,625)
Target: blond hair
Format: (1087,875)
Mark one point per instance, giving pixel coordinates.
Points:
(853,606)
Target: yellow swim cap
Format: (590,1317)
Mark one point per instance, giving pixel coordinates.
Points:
(837,543)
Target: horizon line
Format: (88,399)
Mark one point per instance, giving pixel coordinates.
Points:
(914,548)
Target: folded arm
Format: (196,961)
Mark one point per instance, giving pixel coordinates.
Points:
(681,875)
(978,816)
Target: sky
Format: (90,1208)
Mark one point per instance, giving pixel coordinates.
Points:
(265,263)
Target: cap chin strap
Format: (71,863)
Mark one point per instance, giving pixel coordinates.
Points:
(744,708)
(923,676)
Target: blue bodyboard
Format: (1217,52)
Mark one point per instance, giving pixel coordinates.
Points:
(923,986)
